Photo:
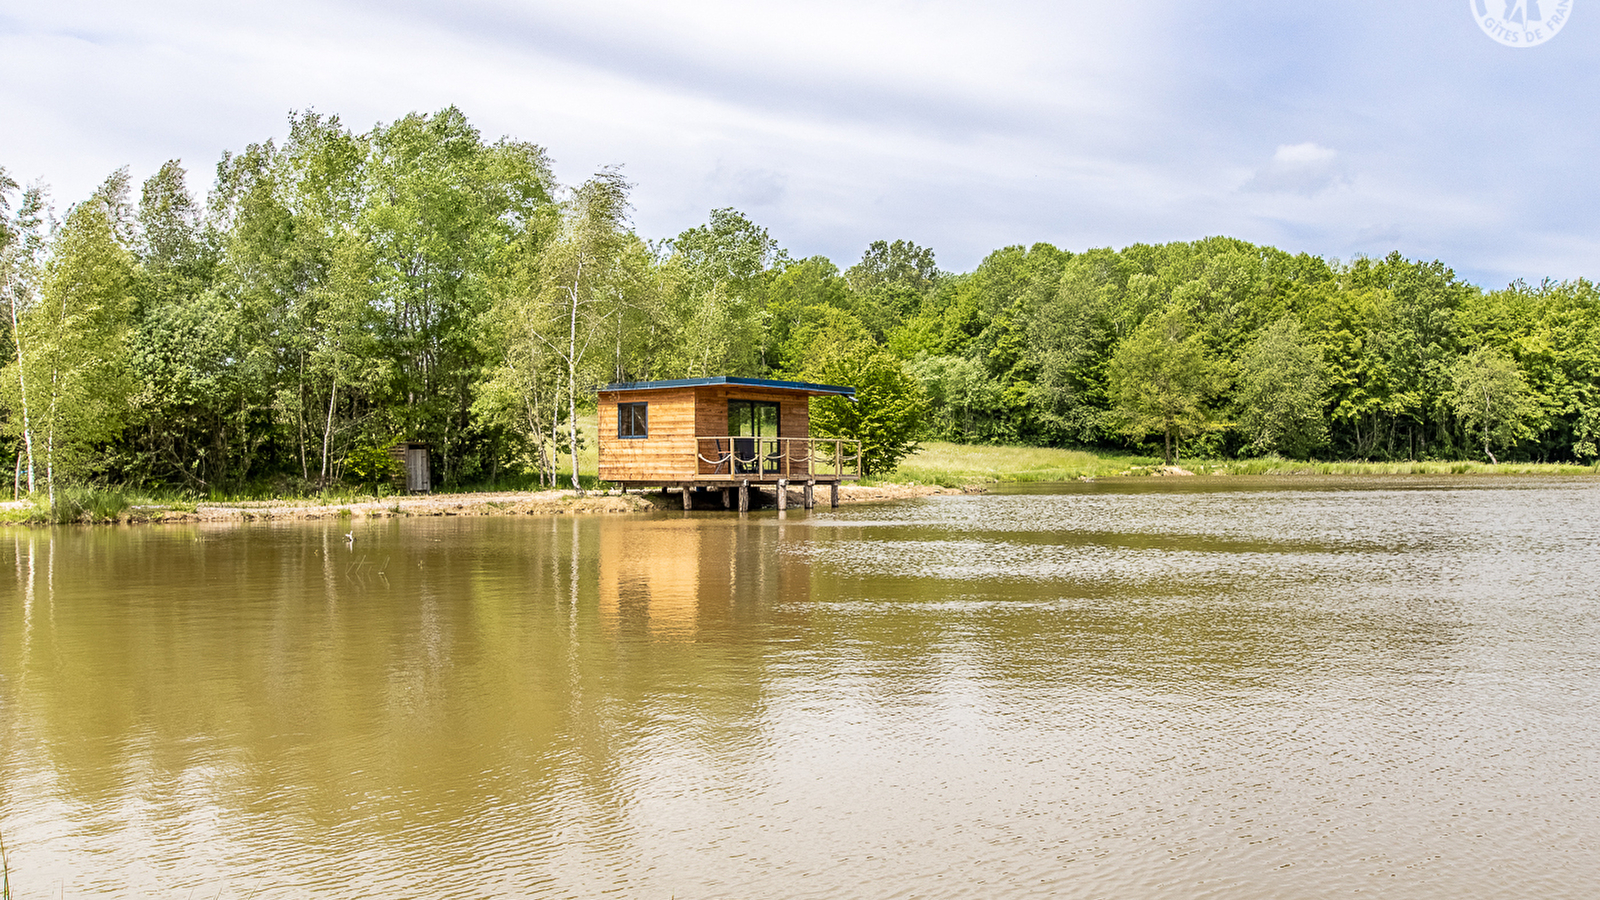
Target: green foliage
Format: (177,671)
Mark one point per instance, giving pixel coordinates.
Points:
(1279,392)
(798,295)
(1492,399)
(371,465)
(1163,380)
(717,274)
(889,284)
(887,416)
(70,371)
(964,403)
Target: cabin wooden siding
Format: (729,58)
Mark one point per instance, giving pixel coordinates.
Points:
(668,453)
(677,417)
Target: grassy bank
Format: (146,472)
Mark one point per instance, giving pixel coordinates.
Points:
(955,465)
(1273,466)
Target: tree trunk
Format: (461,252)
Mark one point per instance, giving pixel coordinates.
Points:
(22,387)
(1486,429)
(572,375)
(327,433)
(50,443)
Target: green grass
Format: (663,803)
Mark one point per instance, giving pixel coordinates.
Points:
(956,465)
(1276,466)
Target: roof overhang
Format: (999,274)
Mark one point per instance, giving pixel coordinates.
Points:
(798,387)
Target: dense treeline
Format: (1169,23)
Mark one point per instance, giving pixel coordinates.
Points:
(344,290)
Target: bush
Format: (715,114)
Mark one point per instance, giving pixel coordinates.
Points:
(371,465)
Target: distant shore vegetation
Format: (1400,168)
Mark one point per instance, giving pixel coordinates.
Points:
(332,294)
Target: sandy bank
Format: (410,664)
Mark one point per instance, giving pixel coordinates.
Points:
(488,504)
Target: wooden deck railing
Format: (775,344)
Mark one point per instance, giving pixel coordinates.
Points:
(765,458)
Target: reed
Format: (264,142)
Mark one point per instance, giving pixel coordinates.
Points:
(5,871)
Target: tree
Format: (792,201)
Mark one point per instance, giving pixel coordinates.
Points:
(889,284)
(886,263)
(445,214)
(22,246)
(72,366)
(889,408)
(797,295)
(1066,343)
(963,403)
(1162,380)
(578,270)
(1492,398)
(720,269)
(1279,392)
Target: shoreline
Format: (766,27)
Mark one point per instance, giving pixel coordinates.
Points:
(613,502)
(503,503)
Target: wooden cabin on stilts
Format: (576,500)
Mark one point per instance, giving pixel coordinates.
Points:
(697,435)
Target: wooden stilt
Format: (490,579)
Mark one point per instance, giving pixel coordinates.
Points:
(688,497)
(727,498)
(783,495)
(811,494)
(744,496)
(833,495)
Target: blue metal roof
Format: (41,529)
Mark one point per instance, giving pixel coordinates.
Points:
(805,386)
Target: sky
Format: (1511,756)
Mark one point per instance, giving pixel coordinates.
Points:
(1338,128)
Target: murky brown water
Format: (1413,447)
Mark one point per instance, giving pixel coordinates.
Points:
(1147,691)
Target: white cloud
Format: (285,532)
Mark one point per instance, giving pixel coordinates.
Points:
(834,123)
(1306,169)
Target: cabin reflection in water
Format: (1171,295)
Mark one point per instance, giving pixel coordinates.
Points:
(694,579)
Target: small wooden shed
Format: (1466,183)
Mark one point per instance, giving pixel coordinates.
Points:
(413,474)
(721,433)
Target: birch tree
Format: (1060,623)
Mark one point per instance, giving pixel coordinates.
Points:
(22,244)
(578,270)
(72,353)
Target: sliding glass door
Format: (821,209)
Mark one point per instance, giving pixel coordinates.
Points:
(754,427)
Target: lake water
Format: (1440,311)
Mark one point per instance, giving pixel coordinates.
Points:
(1185,688)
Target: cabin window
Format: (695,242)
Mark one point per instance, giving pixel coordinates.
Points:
(633,420)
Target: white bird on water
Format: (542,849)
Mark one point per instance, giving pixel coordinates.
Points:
(350,538)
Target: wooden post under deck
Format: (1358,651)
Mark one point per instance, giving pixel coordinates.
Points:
(688,497)
(783,495)
(744,496)
(833,495)
(811,493)
(727,498)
